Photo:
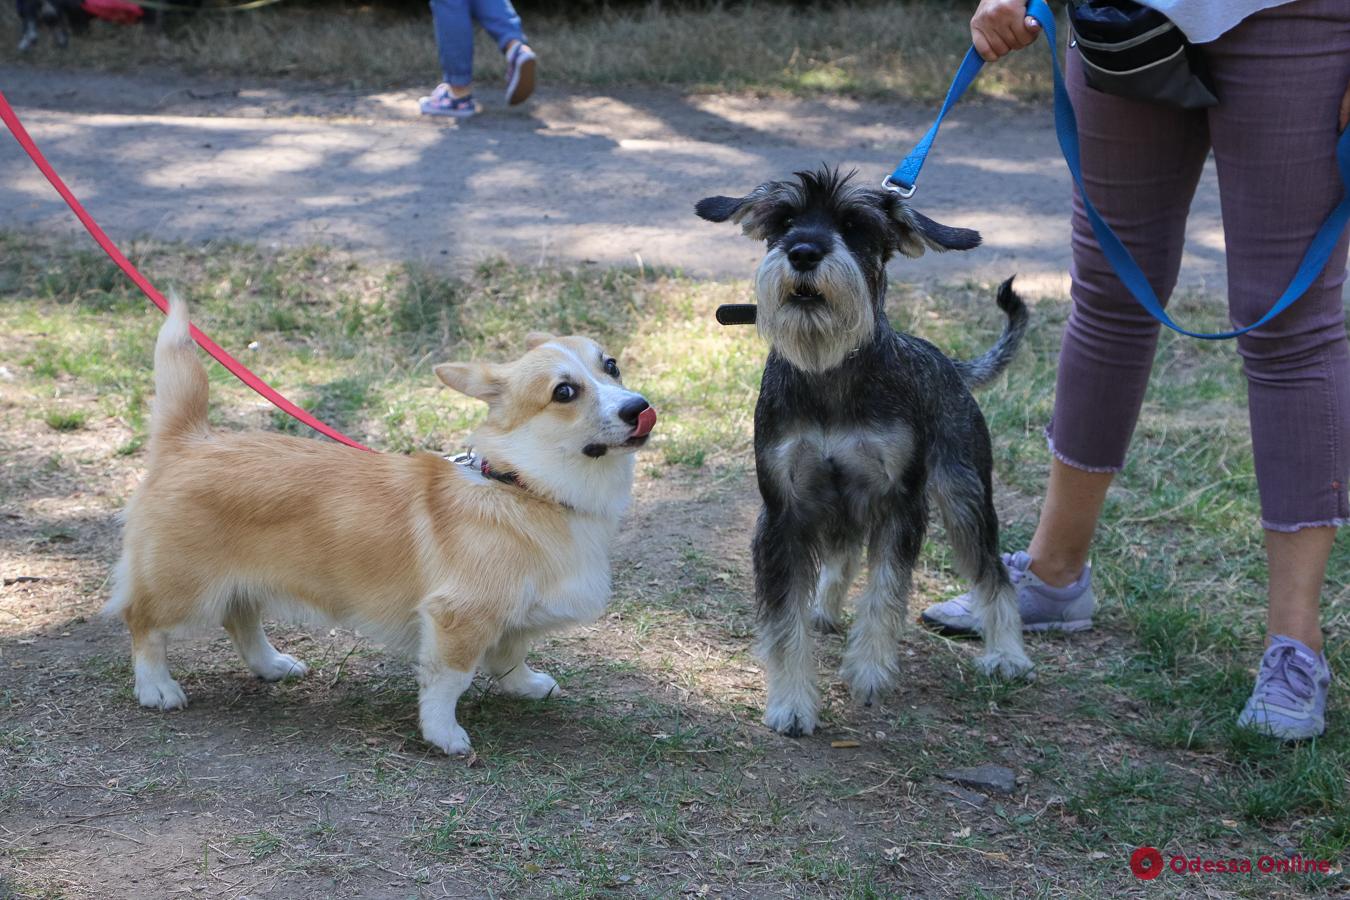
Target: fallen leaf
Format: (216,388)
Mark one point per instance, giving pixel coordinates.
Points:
(844,745)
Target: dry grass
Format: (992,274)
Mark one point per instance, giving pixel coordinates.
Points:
(899,50)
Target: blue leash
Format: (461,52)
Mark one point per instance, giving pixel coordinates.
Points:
(903,182)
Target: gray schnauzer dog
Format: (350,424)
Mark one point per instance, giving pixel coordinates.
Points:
(858,427)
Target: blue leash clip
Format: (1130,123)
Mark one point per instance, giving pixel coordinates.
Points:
(904,181)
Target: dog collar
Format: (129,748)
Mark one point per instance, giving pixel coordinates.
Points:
(736,314)
(471,460)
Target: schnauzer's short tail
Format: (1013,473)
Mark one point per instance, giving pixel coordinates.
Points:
(984,369)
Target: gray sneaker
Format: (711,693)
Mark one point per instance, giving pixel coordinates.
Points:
(1290,698)
(1043,608)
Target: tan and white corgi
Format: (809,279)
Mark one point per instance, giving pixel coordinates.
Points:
(459,564)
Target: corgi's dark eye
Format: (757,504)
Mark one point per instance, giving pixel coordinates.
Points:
(611,368)
(565,393)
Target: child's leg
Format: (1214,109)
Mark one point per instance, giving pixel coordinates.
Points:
(453,21)
(499,19)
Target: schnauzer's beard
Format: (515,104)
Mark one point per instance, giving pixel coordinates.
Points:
(814,335)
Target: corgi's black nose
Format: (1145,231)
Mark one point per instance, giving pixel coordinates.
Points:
(805,255)
(630,411)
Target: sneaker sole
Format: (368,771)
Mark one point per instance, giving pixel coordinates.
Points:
(946,630)
(450,113)
(521,89)
(1265,729)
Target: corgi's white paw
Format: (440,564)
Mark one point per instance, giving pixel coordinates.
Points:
(449,737)
(279,666)
(160,693)
(525,682)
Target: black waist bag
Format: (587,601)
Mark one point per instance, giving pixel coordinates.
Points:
(1132,51)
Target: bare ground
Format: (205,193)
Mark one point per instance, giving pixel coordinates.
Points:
(609,176)
(651,776)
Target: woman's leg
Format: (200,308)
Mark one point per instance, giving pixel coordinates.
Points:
(1141,163)
(1280,77)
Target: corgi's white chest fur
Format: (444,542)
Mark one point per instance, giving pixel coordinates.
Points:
(581,595)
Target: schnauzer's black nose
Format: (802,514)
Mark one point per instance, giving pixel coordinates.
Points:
(630,411)
(805,255)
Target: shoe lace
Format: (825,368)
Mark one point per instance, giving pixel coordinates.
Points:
(1286,677)
(1017,565)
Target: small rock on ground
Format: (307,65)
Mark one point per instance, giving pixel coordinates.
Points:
(986,778)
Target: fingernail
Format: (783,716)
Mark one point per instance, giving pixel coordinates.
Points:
(1032,23)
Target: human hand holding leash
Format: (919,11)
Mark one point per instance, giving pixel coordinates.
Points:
(1002,26)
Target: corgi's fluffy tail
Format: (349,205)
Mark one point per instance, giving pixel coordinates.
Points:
(180,381)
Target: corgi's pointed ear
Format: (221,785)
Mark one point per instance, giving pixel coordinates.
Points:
(481,381)
(537,339)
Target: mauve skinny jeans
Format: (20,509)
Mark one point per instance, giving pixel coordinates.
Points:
(1280,76)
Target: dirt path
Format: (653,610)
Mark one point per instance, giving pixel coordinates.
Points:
(570,177)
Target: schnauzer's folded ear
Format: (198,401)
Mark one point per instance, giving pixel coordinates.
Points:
(481,381)
(914,231)
(749,211)
(718,209)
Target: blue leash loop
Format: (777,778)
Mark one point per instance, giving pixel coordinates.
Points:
(904,179)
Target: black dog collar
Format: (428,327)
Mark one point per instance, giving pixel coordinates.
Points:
(736,314)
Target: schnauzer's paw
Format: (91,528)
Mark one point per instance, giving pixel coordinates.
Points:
(449,737)
(789,720)
(1005,664)
(525,682)
(160,693)
(867,682)
(280,666)
(825,623)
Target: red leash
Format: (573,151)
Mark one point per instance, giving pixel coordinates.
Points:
(237,369)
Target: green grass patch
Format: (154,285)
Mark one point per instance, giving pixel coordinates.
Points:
(66,419)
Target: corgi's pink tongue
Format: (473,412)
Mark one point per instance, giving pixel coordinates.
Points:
(646,421)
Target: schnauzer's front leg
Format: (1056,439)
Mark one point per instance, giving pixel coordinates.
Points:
(872,658)
(784,578)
